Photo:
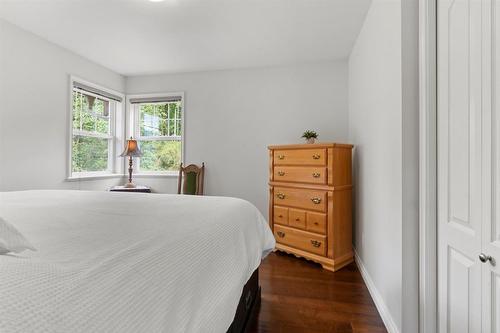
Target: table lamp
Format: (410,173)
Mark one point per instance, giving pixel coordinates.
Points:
(131,150)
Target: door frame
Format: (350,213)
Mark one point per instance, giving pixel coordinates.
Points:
(428,166)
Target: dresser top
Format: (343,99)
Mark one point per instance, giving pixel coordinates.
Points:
(312,145)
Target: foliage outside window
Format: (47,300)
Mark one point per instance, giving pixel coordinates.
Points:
(159,131)
(92,139)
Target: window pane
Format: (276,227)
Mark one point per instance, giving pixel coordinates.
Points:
(90,114)
(178,127)
(149,120)
(160,155)
(84,102)
(171,113)
(88,122)
(89,154)
(159,119)
(101,108)
(171,127)
(102,125)
(76,120)
(77,106)
(178,116)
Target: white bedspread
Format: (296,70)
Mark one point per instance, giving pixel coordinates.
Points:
(128,262)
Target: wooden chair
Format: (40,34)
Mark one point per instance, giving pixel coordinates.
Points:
(193,179)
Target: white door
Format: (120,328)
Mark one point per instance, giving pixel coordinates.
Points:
(469,166)
(459,165)
(491,168)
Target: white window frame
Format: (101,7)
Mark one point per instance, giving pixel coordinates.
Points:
(133,130)
(116,136)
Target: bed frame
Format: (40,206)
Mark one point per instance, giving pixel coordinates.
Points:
(248,305)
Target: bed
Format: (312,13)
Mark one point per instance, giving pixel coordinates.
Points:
(129,262)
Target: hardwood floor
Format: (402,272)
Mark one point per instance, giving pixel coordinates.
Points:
(299,296)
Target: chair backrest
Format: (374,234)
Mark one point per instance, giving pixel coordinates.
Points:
(193,179)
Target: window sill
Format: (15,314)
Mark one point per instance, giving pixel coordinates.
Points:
(174,174)
(94,177)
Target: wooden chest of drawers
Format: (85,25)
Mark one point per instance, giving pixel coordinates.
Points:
(310,211)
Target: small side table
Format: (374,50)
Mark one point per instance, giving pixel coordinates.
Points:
(138,188)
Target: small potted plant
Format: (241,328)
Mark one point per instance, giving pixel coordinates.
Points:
(310,136)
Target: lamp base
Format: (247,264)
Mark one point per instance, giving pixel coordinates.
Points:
(129,185)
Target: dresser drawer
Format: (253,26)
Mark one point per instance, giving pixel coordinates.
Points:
(300,239)
(280,215)
(297,218)
(300,174)
(300,157)
(300,198)
(316,222)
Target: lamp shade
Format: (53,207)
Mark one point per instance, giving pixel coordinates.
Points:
(132,149)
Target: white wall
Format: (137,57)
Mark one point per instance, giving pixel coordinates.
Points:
(232,116)
(375,120)
(383,126)
(34,95)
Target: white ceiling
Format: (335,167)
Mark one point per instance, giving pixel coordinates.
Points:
(134,37)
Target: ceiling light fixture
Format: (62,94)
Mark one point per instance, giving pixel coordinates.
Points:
(156,0)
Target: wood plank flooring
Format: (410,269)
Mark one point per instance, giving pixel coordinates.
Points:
(299,296)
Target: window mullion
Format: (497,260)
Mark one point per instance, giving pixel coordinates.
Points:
(92,134)
(81,111)
(168,120)
(176,120)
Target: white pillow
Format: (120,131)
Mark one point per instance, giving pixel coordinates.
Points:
(11,240)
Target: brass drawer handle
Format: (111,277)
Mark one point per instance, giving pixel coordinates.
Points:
(280,216)
(280,234)
(316,156)
(316,201)
(280,196)
(281,173)
(297,219)
(315,243)
(281,157)
(316,223)
(316,174)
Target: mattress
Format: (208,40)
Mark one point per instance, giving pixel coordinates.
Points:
(128,262)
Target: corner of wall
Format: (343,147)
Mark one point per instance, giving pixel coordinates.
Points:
(375,123)
(382,308)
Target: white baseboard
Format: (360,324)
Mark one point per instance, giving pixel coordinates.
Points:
(389,323)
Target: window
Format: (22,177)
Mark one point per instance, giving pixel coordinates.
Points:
(93,129)
(159,130)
